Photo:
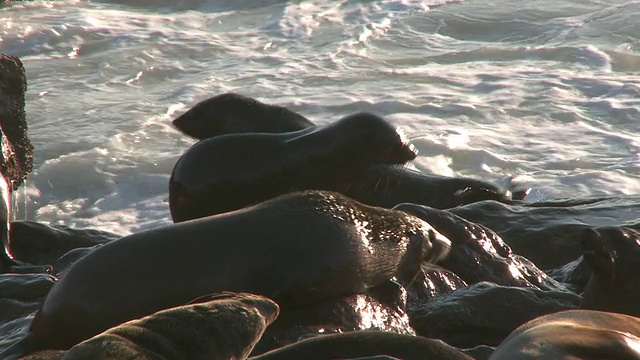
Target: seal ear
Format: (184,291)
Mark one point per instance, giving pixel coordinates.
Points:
(598,256)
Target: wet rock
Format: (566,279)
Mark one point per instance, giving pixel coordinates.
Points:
(548,233)
(485,313)
(42,244)
(479,254)
(20,296)
(17,151)
(574,274)
(381,310)
(433,280)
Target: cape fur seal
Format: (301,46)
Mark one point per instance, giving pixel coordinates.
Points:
(226,173)
(380,185)
(296,249)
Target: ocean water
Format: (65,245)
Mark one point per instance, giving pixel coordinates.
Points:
(547,92)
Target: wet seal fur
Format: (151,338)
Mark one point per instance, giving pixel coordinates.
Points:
(380,185)
(218,327)
(613,254)
(315,245)
(236,114)
(226,173)
(361,344)
(573,334)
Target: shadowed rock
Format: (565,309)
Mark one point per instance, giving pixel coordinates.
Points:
(548,233)
(479,254)
(42,244)
(17,151)
(485,313)
(382,308)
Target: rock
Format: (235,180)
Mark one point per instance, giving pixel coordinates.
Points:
(574,274)
(42,244)
(16,155)
(13,85)
(432,281)
(383,309)
(549,233)
(479,254)
(485,313)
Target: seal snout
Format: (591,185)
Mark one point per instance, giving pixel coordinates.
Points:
(400,150)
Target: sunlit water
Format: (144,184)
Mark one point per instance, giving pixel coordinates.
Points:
(546,91)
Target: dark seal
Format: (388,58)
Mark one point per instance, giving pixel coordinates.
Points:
(381,185)
(232,113)
(229,172)
(360,344)
(613,254)
(573,334)
(297,249)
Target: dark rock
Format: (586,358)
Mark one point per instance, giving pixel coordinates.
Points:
(353,313)
(574,274)
(479,254)
(15,142)
(548,233)
(431,281)
(42,244)
(485,313)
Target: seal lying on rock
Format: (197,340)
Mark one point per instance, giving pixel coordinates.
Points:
(296,249)
(613,254)
(359,344)
(229,172)
(573,334)
(381,185)
(218,327)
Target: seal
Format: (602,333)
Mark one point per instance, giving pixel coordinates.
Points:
(297,249)
(574,334)
(360,344)
(231,113)
(224,326)
(613,254)
(226,173)
(381,185)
